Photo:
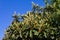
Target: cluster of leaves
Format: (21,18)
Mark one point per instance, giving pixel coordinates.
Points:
(40,24)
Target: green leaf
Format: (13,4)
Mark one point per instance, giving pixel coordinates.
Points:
(45,34)
(52,37)
(31,34)
(35,32)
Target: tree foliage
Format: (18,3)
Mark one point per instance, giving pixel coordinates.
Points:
(39,24)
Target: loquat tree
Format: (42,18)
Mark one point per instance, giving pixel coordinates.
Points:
(39,24)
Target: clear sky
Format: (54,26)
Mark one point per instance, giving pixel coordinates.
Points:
(7,8)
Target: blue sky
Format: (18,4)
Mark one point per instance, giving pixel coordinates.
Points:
(7,8)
